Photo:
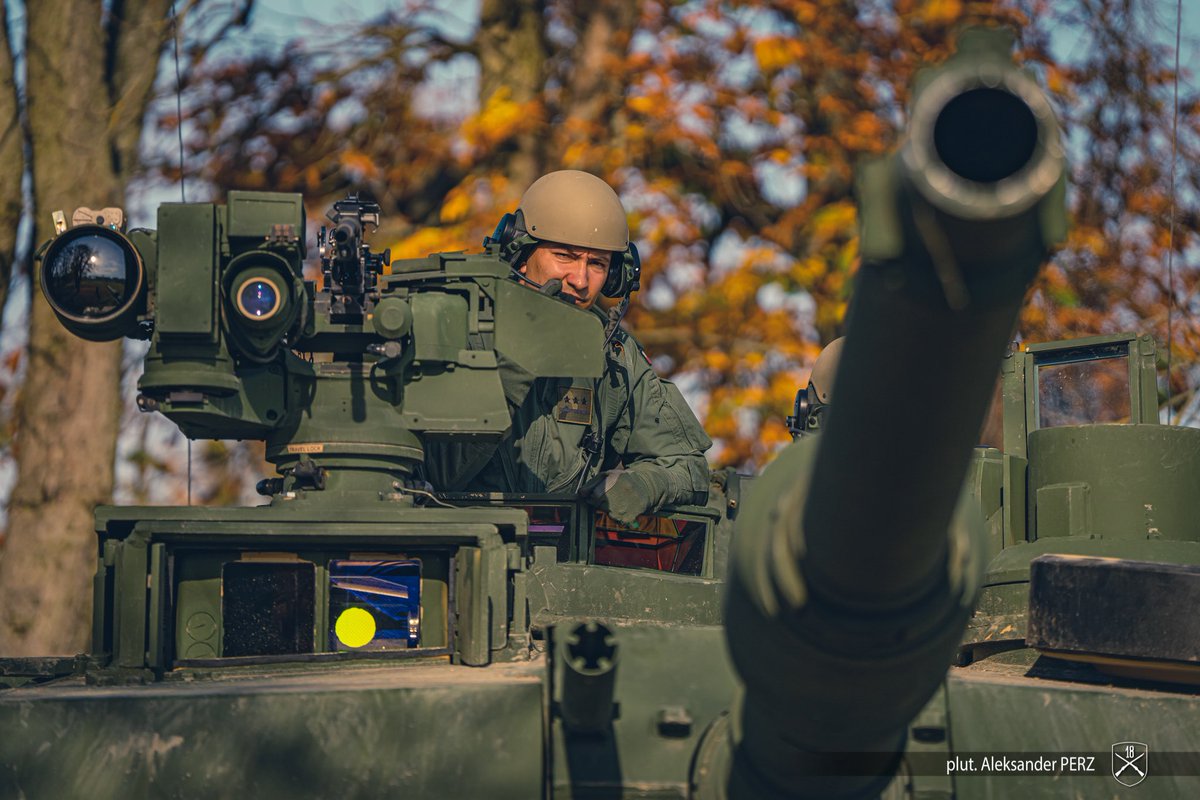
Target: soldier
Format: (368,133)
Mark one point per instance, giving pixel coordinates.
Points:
(809,412)
(627,439)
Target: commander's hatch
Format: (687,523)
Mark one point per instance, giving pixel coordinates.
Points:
(1097,380)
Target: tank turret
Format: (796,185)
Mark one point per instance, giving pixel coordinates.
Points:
(852,576)
(359,636)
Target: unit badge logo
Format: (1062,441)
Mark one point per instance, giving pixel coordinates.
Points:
(1131,762)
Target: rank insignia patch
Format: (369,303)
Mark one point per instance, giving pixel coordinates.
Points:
(574,406)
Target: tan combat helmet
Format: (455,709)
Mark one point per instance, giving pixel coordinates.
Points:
(575,208)
(811,402)
(825,369)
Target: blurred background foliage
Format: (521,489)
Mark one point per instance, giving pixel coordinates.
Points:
(731,131)
(730,128)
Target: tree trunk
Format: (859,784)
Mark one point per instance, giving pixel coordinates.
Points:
(12,162)
(68,411)
(136,34)
(598,81)
(512,58)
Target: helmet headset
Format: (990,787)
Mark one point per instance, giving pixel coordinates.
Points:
(577,209)
(515,244)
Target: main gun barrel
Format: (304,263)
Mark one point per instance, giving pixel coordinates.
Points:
(851,579)
(966,198)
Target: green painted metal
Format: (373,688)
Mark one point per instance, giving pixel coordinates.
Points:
(1005,711)
(1104,480)
(249,214)
(1119,485)
(354,732)
(672,682)
(187,263)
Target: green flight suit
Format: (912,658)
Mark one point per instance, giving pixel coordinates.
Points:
(641,421)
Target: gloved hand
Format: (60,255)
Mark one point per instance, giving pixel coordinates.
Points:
(621,494)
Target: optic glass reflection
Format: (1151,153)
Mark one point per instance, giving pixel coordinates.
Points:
(91,276)
(258,299)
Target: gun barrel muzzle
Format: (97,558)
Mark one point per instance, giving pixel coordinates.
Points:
(983,140)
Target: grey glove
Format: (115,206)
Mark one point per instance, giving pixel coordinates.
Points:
(621,494)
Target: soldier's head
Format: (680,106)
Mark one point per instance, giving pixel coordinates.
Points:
(578,225)
(811,403)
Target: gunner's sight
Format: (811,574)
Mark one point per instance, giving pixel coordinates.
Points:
(258,299)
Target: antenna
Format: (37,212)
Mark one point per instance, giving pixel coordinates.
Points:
(1171,234)
(182,184)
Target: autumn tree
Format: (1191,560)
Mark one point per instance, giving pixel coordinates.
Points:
(731,130)
(90,70)
(12,160)
(1135,165)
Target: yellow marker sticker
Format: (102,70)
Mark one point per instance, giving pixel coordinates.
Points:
(355,627)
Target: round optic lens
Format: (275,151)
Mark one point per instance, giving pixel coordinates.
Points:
(91,276)
(258,299)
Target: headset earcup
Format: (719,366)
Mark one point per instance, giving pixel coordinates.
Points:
(614,281)
(502,234)
(624,273)
(509,231)
(633,269)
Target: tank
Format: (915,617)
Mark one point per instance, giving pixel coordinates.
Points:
(808,633)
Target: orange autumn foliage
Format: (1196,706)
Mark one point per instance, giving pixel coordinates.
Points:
(731,130)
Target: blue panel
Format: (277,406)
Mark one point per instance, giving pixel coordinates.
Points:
(390,591)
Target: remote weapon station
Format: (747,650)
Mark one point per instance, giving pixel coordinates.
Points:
(359,637)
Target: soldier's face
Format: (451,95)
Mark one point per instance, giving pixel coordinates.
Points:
(581,270)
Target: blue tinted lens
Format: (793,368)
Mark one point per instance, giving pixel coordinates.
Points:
(258,299)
